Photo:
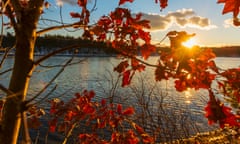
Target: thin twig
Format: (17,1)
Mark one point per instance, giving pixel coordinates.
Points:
(40,32)
(26,136)
(37,62)
(5,56)
(46,96)
(53,66)
(8,70)
(4,89)
(51,81)
(11,13)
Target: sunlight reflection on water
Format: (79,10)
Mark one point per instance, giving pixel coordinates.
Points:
(96,73)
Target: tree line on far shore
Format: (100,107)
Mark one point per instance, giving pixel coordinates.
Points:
(49,43)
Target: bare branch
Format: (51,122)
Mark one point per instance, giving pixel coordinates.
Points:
(94,6)
(8,70)
(51,81)
(11,12)
(37,62)
(52,66)
(44,21)
(59,27)
(5,56)
(46,96)
(26,136)
(7,91)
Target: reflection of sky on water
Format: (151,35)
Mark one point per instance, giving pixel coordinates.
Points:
(187,94)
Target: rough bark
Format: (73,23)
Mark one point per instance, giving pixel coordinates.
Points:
(25,30)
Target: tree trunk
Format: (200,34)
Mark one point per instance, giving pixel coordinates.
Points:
(27,19)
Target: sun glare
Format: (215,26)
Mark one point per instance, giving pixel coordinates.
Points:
(190,43)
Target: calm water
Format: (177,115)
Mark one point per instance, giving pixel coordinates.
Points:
(96,73)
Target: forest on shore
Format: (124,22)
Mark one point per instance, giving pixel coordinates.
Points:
(50,43)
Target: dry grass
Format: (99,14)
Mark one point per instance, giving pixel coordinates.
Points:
(220,136)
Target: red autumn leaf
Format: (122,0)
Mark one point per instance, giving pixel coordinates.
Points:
(121,67)
(163,3)
(119,109)
(75,15)
(34,123)
(91,94)
(131,137)
(123,1)
(88,109)
(103,102)
(213,66)
(230,118)
(82,3)
(144,36)
(47,4)
(52,125)
(136,66)
(128,111)
(230,6)
(146,50)
(139,129)
(62,127)
(160,73)
(217,112)
(69,115)
(126,78)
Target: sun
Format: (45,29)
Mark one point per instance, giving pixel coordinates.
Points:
(190,43)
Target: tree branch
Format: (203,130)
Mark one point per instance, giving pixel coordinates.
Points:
(7,91)
(8,70)
(10,12)
(37,62)
(59,27)
(4,56)
(51,81)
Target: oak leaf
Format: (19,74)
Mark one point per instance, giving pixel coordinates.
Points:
(123,1)
(230,6)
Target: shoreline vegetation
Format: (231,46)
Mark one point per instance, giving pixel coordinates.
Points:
(50,43)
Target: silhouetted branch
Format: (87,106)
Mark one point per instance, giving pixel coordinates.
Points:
(50,82)
(37,62)
(10,11)
(52,66)
(4,89)
(4,56)
(8,70)
(40,32)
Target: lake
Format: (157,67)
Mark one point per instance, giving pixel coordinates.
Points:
(96,73)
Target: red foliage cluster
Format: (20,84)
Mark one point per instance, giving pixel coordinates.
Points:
(195,68)
(34,113)
(217,112)
(127,37)
(128,70)
(189,67)
(163,3)
(97,116)
(231,83)
(84,15)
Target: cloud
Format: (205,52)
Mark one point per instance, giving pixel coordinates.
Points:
(71,2)
(228,23)
(182,18)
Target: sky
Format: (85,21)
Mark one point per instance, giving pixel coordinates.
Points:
(203,17)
